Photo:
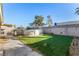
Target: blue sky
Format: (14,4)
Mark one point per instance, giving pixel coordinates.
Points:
(22,14)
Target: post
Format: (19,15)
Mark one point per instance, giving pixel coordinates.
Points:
(1,21)
(1,14)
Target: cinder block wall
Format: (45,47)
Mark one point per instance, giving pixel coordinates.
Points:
(71,31)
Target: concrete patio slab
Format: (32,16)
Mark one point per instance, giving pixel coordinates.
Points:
(17,48)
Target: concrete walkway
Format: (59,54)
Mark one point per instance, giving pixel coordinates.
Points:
(17,48)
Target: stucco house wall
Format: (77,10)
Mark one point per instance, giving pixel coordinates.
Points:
(33,32)
(7,30)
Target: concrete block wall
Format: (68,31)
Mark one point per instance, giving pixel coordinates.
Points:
(71,31)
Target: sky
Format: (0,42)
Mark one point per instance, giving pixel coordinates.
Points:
(22,14)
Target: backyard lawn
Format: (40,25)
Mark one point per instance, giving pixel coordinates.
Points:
(31,40)
(55,45)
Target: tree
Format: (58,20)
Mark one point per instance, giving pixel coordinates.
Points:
(49,21)
(38,22)
(77,11)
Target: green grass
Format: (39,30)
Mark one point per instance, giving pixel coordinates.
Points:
(31,40)
(57,45)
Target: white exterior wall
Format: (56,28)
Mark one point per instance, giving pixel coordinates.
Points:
(72,31)
(32,32)
(58,31)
